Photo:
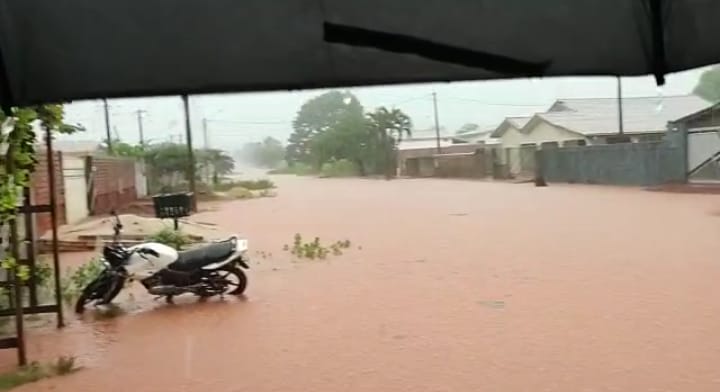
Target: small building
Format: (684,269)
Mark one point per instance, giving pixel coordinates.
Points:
(587,121)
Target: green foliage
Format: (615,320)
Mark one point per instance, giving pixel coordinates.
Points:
(269,153)
(708,86)
(18,138)
(122,149)
(35,372)
(252,185)
(298,169)
(315,250)
(75,280)
(239,192)
(339,168)
(170,237)
(332,128)
(315,117)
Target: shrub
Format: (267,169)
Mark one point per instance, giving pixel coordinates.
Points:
(298,169)
(339,168)
(175,238)
(76,280)
(240,193)
(256,185)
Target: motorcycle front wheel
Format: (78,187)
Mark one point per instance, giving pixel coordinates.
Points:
(103,289)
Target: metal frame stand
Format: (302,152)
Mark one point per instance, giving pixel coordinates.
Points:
(29,259)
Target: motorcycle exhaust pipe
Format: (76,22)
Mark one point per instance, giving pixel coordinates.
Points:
(165,290)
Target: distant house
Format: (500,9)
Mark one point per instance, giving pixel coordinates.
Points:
(595,121)
(428,147)
(508,132)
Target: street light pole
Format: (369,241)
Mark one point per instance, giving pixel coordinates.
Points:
(437,122)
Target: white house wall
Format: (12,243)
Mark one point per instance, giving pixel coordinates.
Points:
(541,133)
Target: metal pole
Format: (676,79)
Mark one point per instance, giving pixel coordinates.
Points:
(140,126)
(437,122)
(54,221)
(191,153)
(16,283)
(206,145)
(107,126)
(621,129)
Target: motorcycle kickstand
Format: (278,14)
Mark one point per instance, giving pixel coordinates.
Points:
(169,300)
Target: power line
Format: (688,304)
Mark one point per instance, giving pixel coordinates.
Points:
(477,101)
(249,122)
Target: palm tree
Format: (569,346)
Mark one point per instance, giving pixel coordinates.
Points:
(391,126)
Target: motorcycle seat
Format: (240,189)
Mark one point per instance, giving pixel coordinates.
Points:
(194,259)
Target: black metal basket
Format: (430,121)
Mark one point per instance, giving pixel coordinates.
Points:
(173,206)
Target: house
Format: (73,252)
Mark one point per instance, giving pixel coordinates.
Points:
(428,147)
(581,121)
(508,132)
(702,143)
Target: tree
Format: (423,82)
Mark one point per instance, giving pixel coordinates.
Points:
(467,128)
(708,86)
(317,116)
(218,161)
(390,126)
(269,153)
(351,139)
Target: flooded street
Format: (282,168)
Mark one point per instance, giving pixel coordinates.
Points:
(447,286)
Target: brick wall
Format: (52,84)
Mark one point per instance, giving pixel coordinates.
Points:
(40,192)
(113,184)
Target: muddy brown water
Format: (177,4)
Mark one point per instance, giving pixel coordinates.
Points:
(458,286)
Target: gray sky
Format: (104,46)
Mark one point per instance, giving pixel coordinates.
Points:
(234,119)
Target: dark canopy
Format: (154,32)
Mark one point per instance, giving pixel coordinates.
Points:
(70,49)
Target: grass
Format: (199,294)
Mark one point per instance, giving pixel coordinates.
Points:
(34,372)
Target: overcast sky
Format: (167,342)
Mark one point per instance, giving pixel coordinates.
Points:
(234,119)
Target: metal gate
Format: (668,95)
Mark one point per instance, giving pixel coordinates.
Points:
(703,154)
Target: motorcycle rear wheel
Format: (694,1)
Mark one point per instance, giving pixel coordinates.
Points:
(236,280)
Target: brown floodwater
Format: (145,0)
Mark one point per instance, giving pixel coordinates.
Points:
(448,286)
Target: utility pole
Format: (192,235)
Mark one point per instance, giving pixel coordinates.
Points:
(206,146)
(107,126)
(191,154)
(621,128)
(140,113)
(437,122)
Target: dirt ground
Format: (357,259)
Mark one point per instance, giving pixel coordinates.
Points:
(448,286)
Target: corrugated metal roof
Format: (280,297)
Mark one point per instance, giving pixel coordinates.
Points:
(595,116)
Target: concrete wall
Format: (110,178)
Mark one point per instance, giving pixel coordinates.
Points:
(617,164)
(404,155)
(461,165)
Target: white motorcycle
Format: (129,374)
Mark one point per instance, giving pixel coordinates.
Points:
(206,271)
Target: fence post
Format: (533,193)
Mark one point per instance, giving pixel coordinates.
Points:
(539,168)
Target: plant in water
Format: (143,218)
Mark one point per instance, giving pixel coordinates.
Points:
(315,249)
(175,238)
